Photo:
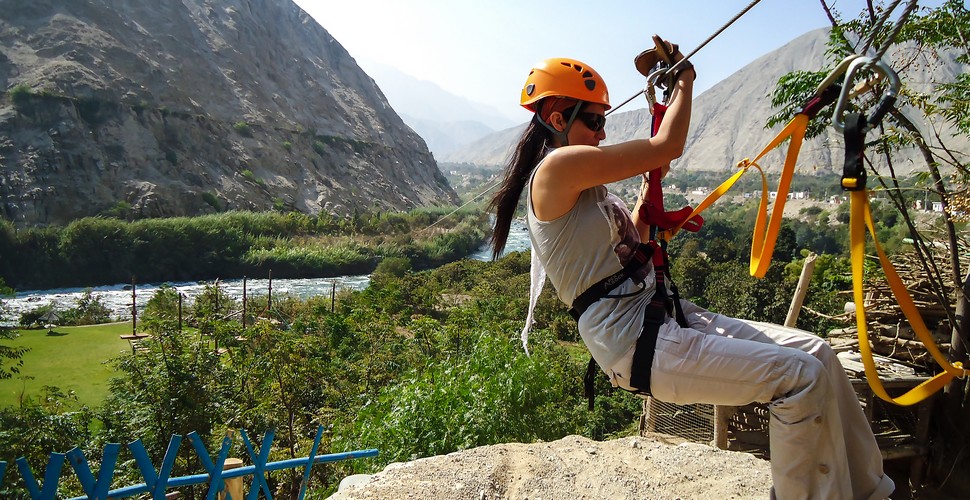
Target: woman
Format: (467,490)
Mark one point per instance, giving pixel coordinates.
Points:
(583,236)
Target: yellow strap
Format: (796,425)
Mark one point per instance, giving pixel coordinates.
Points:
(860,218)
(764,237)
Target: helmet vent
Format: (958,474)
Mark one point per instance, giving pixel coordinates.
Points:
(529,89)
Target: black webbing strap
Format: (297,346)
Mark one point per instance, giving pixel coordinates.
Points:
(653,318)
(854,168)
(674,297)
(660,305)
(603,287)
(589,383)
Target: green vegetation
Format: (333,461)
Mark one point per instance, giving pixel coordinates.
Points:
(251,177)
(96,251)
(120,210)
(402,346)
(212,200)
(243,128)
(422,361)
(20,95)
(71,358)
(88,310)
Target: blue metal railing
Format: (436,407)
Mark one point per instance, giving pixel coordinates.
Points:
(158,481)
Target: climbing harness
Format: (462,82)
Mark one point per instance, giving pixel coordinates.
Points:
(661,71)
(661,304)
(653,63)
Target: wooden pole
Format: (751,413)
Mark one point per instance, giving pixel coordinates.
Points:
(180,312)
(269,294)
(134,311)
(333,295)
(808,268)
(244,303)
(722,419)
(234,485)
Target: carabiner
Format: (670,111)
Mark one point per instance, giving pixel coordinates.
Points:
(835,74)
(650,89)
(888,99)
(827,91)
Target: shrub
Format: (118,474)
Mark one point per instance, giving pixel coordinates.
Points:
(243,129)
(393,266)
(33,317)
(88,310)
(20,95)
(163,304)
(120,210)
(212,200)
(250,176)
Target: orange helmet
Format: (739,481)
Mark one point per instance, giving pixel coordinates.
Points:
(566,78)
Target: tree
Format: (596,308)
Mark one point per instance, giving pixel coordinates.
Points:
(8,355)
(914,37)
(35,428)
(88,309)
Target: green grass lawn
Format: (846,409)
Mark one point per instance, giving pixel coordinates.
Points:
(71,358)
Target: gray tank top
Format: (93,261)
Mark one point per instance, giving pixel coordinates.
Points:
(590,242)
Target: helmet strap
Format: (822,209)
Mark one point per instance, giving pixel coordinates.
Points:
(563,135)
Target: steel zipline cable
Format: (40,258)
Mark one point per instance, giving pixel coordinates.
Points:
(672,68)
(469,202)
(891,39)
(688,56)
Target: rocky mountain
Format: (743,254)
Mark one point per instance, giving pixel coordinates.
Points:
(728,120)
(183,108)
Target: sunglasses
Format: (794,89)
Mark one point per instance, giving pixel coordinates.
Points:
(593,121)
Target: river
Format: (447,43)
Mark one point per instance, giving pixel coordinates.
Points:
(118,298)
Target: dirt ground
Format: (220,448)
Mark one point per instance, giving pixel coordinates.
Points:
(652,467)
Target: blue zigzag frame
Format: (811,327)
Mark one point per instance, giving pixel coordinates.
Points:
(157,482)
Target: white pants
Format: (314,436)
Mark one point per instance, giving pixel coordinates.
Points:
(821,444)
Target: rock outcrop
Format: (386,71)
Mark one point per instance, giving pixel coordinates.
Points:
(183,108)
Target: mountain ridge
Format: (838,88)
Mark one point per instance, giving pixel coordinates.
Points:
(444,120)
(191,108)
(728,119)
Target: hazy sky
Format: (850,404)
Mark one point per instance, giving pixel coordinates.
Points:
(483,50)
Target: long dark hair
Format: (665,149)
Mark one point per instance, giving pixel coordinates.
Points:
(530,149)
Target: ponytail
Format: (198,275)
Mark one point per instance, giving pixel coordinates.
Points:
(527,154)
